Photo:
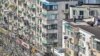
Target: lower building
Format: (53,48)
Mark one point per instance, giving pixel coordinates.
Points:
(84,38)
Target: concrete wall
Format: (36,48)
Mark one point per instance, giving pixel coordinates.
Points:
(61,16)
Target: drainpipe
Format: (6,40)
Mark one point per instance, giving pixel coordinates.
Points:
(65,39)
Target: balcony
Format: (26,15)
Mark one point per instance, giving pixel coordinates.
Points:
(12,7)
(2,30)
(65,11)
(32,6)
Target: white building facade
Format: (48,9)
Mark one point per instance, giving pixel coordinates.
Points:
(84,11)
(84,40)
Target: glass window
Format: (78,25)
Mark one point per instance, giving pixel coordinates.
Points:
(52,35)
(66,6)
(72,46)
(55,7)
(83,37)
(81,13)
(92,13)
(94,44)
(68,44)
(81,45)
(98,46)
(51,27)
(54,26)
(74,12)
(52,7)
(82,50)
(68,32)
(52,16)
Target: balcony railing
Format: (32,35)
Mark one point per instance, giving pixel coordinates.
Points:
(66,11)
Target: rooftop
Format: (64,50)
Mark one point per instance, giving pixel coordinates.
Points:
(95,30)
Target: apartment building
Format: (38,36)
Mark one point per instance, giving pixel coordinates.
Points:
(21,27)
(56,14)
(89,41)
(84,11)
(81,37)
(80,31)
(84,42)
(90,1)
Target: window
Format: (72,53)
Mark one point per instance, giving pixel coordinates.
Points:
(43,34)
(74,12)
(81,43)
(72,46)
(52,16)
(55,7)
(94,44)
(81,13)
(54,26)
(82,50)
(52,7)
(68,44)
(92,13)
(52,35)
(66,6)
(83,37)
(98,46)
(68,32)
(51,27)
